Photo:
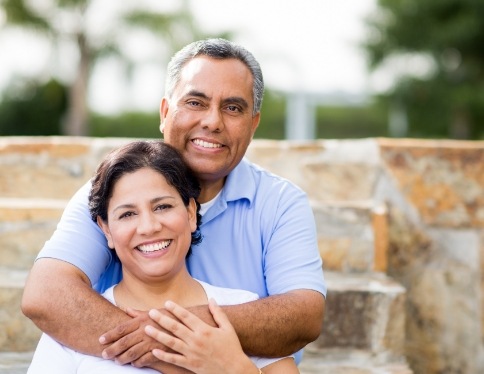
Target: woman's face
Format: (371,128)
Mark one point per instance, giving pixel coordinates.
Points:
(148,225)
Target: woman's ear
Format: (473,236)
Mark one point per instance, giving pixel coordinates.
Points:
(105,228)
(192,214)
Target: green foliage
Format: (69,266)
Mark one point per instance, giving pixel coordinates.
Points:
(33,109)
(67,22)
(126,125)
(449,102)
(339,122)
(273,116)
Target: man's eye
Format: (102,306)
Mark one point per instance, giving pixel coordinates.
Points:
(193,103)
(233,108)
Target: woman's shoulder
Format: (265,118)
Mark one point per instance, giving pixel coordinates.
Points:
(228,296)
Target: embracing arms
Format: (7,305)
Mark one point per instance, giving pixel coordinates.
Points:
(59,299)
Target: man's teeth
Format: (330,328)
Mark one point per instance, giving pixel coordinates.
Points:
(205,144)
(148,248)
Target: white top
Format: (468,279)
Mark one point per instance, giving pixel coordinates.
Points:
(54,358)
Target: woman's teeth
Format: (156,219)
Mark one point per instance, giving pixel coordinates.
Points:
(148,248)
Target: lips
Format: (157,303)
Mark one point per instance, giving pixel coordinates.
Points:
(154,247)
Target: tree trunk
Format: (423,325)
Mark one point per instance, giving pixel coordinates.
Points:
(77,111)
(460,128)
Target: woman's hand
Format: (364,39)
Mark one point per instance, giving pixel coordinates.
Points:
(197,346)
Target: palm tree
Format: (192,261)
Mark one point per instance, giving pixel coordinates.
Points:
(70,22)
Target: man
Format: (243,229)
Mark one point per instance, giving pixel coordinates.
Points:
(258,229)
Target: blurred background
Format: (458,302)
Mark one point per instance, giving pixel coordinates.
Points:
(333,69)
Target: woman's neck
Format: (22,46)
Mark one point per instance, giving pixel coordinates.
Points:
(143,295)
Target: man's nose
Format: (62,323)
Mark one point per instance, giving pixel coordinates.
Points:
(213,120)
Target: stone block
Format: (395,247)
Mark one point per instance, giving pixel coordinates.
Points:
(25,225)
(44,167)
(17,332)
(443,180)
(364,312)
(327,171)
(352,236)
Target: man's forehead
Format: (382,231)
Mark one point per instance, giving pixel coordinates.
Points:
(203,73)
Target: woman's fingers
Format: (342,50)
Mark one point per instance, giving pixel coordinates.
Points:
(188,319)
(219,315)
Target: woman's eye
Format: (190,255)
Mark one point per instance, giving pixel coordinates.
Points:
(163,207)
(126,215)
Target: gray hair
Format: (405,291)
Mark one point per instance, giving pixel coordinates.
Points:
(219,49)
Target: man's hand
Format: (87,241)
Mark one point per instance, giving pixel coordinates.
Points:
(128,343)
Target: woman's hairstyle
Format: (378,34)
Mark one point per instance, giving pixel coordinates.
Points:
(219,49)
(133,156)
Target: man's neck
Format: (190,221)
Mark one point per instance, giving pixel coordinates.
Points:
(210,189)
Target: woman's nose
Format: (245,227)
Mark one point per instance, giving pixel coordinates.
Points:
(148,224)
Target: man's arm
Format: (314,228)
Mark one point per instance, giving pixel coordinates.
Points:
(59,299)
(278,325)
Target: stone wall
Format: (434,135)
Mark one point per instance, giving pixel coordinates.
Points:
(413,209)
(430,239)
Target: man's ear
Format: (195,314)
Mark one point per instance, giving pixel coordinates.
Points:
(163,111)
(255,122)
(105,228)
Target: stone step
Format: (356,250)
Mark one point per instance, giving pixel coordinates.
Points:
(25,225)
(352,235)
(49,167)
(17,332)
(349,362)
(15,362)
(364,312)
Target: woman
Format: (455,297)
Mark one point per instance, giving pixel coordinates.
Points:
(143,197)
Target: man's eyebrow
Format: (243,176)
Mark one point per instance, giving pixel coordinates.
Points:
(236,100)
(196,93)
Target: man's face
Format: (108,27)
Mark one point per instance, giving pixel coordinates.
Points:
(209,116)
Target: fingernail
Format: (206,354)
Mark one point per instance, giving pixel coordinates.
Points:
(102,340)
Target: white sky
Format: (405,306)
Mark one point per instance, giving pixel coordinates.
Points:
(309,45)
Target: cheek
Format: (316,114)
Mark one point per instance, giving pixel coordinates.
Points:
(120,236)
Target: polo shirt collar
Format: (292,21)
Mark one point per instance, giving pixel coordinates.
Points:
(240,184)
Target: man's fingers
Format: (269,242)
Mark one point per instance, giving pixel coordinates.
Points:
(123,349)
(118,332)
